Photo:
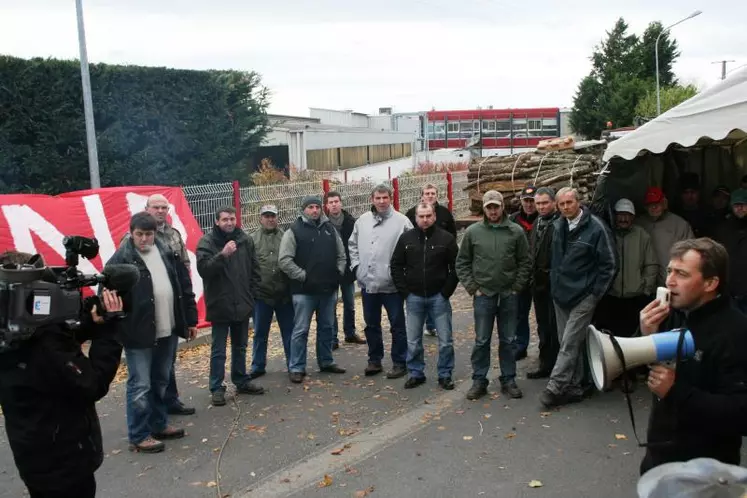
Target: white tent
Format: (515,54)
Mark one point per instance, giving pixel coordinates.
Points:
(718,114)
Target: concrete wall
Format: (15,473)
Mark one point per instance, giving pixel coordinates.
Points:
(337,158)
(327,139)
(339,118)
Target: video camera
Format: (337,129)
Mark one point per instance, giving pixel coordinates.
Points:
(33,295)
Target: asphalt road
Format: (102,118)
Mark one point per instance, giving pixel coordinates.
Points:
(388,441)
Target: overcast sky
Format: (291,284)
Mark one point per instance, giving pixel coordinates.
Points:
(349,54)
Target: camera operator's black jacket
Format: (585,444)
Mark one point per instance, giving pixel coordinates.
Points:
(705,412)
(139,327)
(423,262)
(48,391)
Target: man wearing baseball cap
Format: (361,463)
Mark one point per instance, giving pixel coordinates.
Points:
(273,295)
(664,227)
(635,282)
(494,266)
(524,217)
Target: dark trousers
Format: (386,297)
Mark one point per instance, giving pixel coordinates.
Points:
(85,488)
(394,306)
(547,330)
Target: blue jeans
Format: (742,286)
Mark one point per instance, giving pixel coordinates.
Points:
(418,308)
(348,312)
(304,305)
(239,339)
(522,321)
(489,310)
(148,374)
(394,306)
(172,394)
(262,320)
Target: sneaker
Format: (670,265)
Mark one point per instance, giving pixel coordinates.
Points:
(550,400)
(521,355)
(218,398)
(431,332)
(332,369)
(170,432)
(148,445)
(396,372)
(512,390)
(180,408)
(373,369)
(477,391)
(250,388)
(296,377)
(355,339)
(414,382)
(446,383)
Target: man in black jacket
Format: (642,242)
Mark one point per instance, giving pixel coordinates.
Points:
(699,407)
(227,263)
(732,233)
(540,244)
(444,219)
(524,217)
(344,222)
(161,310)
(423,271)
(48,395)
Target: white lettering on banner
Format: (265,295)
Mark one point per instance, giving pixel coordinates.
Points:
(137,203)
(22,220)
(100,225)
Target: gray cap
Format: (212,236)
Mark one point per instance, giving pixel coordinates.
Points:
(311,199)
(269,208)
(625,206)
(492,197)
(697,478)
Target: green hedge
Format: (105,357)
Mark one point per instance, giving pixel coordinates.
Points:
(154,125)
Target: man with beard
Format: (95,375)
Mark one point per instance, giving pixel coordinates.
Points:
(700,405)
(540,243)
(227,263)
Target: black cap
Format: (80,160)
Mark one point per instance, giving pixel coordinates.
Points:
(528,192)
(723,190)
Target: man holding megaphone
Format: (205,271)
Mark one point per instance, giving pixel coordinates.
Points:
(700,408)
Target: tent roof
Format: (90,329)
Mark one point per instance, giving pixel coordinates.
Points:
(719,113)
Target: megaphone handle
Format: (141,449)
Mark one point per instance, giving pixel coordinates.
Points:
(626,385)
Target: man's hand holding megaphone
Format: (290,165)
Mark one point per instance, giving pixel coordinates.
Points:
(660,378)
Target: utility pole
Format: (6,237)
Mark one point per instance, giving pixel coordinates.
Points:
(723,67)
(93,157)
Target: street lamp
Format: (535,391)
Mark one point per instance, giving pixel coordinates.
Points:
(93,157)
(656,50)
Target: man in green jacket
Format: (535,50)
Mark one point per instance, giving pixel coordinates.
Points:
(635,283)
(273,294)
(494,265)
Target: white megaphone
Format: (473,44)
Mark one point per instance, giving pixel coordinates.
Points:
(606,365)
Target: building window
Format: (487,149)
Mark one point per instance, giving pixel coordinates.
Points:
(503,128)
(452,127)
(488,128)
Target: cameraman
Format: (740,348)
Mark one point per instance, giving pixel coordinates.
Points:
(699,410)
(48,391)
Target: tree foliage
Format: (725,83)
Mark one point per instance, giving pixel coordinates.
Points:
(670,97)
(153,125)
(623,73)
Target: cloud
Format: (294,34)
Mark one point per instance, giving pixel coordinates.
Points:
(412,55)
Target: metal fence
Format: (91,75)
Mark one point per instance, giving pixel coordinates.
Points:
(460,197)
(287,197)
(411,187)
(206,199)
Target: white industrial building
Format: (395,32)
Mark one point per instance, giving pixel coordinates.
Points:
(333,140)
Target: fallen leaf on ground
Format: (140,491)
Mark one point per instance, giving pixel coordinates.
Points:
(116,452)
(535,484)
(487,415)
(351,470)
(364,492)
(212,484)
(467,438)
(286,480)
(327,481)
(339,451)
(621,436)
(510,435)
(545,414)
(441,428)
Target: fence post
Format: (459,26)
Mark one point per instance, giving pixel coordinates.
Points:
(325,186)
(389,169)
(346,176)
(450,190)
(395,188)
(237,201)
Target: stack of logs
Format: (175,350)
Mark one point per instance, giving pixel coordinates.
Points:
(510,174)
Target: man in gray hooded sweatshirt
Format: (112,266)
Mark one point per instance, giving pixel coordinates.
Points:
(371,246)
(313,257)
